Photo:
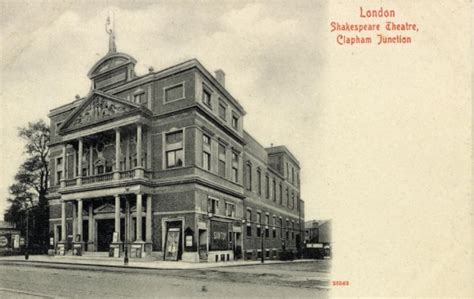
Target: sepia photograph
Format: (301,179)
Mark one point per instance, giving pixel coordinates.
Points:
(235,149)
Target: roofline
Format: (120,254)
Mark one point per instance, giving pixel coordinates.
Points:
(284,149)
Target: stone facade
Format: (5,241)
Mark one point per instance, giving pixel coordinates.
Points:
(160,164)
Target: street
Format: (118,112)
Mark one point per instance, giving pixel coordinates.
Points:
(33,280)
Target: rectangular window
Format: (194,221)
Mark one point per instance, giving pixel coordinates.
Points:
(212,205)
(249,223)
(249,230)
(287,196)
(174,93)
(274,190)
(281,228)
(267,186)
(206,161)
(259,182)
(281,194)
(139,99)
(230,209)
(292,175)
(249,177)
(222,111)
(174,149)
(259,218)
(206,139)
(235,121)
(235,167)
(222,165)
(206,97)
(287,229)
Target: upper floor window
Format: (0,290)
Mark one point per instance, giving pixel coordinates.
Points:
(230,209)
(206,139)
(267,186)
(259,182)
(235,167)
(59,170)
(140,98)
(174,93)
(287,197)
(222,111)
(292,175)
(206,152)
(222,165)
(174,149)
(206,97)
(235,121)
(212,205)
(281,194)
(274,190)
(249,176)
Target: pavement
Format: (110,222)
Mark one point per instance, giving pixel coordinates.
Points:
(149,263)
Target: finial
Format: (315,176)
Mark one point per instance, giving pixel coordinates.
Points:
(111,32)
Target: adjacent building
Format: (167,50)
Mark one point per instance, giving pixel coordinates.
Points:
(161,165)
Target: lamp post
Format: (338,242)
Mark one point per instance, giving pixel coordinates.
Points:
(26,237)
(127,228)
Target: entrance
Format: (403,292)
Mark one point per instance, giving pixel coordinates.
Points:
(202,245)
(105,233)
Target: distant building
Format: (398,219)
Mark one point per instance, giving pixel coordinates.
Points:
(318,231)
(162,161)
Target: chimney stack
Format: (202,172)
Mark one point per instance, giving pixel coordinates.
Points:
(220,76)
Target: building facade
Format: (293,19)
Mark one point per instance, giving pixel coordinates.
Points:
(161,165)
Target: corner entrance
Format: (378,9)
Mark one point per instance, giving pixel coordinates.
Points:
(105,233)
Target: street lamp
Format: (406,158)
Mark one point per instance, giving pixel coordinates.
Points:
(26,237)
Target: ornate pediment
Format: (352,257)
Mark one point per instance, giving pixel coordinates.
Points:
(105,209)
(97,107)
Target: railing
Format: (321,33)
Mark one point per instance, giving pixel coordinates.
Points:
(70,182)
(127,174)
(104,177)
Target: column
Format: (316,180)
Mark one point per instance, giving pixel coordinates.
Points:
(139,218)
(79,218)
(148,149)
(63,167)
(91,227)
(117,216)
(139,145)
(91,161)
(80,152)
(74,221)
(127,154)
(148,218)
(63,221)
(117,154)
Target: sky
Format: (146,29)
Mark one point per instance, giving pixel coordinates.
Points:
(383,133)
(270,55)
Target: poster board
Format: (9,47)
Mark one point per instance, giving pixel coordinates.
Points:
(172,244)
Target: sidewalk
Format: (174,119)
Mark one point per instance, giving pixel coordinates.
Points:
(137,263)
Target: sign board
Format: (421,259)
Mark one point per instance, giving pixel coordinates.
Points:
(22,241)
(16,241)
(172,244)
(51,241)
(189,241)
(115,237)
(3,241)
(219,235)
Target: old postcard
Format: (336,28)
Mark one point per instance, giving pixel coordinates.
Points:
(249,149)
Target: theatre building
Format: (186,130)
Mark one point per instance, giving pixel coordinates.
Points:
(161,166)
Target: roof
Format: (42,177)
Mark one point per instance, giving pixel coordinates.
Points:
(282,149)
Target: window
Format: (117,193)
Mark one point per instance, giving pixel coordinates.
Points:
(212,205)
(281,228)
(221,168)
(230,209)
(206,152)
(249,223)
(287,229)
(292,200)
(267,186)
(292,175)
(274,228)
(259,219)
(267,222)
(139,98)
(206,161)
(259,182)
(281,194)
(292,230)
(174,149)
(235,121)
(274,190)
(249,176)
(59,170)
(174,93)
(235,167)
(222,111)
(206,97)
(287,196)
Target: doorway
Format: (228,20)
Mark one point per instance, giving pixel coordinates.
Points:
(202,246)
(105,232)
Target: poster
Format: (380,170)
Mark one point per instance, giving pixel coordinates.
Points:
(219,235)
(172,244)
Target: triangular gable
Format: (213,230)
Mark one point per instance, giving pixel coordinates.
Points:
(98,106)
(104,209)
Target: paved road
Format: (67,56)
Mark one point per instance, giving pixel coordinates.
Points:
(26,280)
